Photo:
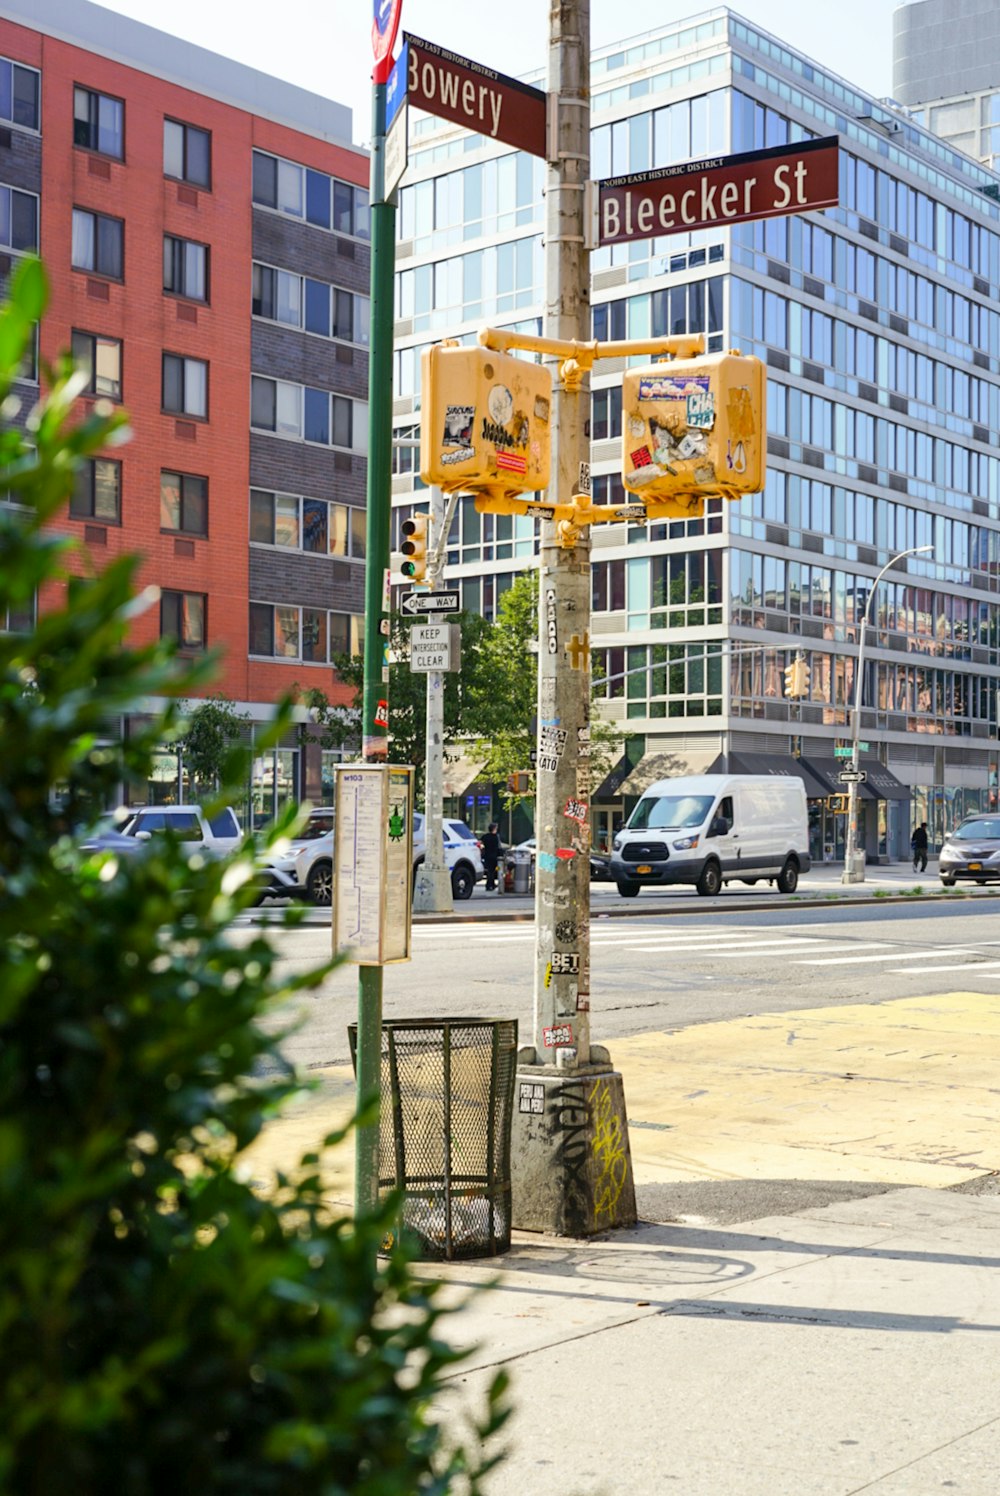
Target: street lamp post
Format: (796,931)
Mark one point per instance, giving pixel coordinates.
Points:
(854,862)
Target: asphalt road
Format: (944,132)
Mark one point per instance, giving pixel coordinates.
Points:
(661,974)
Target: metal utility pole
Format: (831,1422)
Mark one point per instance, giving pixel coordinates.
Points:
(375,708)
(854,858)
(432,892)
(572,1168)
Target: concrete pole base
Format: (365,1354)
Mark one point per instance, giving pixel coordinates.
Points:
(854,869)
(571,1165)
(432,891)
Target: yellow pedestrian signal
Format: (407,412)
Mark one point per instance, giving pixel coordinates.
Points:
(694,428)
(484,424)
(797,674)
(414,547)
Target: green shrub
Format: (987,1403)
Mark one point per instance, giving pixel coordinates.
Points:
(162,1326)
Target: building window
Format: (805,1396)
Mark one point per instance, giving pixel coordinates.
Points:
(18,619)
(185,385)
(97,491)
(98,244)
(18,219)
(312,305)
(302,524)
(19,91)
(307,414)
(303,193)
(185,268)
(102,360)
(98,122)
(184,503)
(187,153)
(283,631)
(182,617)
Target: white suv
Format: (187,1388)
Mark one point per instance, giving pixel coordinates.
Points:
(314,864)
(220,834)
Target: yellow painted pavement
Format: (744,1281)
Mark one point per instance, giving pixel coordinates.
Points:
(905,1093)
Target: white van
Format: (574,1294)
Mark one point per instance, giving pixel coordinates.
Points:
(708,829)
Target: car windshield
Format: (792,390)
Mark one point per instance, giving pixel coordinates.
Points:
(669,812)
(984,829)
(317,825)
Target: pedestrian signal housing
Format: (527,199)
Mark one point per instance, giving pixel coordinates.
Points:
(484,425)
(414,547)
(694,428)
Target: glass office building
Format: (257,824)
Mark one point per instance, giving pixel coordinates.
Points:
(878,323)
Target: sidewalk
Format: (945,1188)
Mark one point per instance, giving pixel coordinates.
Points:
(821,886)
(841,1349)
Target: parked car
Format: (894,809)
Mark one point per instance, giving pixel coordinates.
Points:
(600,862)
(218,834)
(130,830)
(463,853)
(971,851)
(318,824)
(708,829)
(314,864)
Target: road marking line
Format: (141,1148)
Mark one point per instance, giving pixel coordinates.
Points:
(892,956)
(734,947)
(987,968)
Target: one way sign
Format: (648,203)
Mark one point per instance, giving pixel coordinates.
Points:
(418,604)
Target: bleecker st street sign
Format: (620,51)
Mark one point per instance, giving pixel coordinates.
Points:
(469,94)
(727,189)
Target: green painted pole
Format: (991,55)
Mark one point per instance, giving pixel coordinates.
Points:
(374,730)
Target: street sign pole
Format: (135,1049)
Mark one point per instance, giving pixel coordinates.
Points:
(432,894)
(375,691)
(572,1172)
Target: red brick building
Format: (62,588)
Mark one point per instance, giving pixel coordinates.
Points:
(205,232)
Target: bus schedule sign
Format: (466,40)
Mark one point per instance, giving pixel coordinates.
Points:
(727,189)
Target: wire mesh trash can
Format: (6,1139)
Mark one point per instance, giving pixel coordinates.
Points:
(447,1093)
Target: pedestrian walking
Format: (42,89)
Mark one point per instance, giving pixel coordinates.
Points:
(918,846)
(491,856)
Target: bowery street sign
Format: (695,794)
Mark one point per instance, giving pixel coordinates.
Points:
(727,189)
(416,603)
(469,94)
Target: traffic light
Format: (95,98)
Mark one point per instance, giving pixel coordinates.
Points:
(414,547)
(797,674)
(519,784)
(484,422)
(694,428)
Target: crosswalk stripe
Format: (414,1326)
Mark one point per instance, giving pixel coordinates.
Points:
(892,956)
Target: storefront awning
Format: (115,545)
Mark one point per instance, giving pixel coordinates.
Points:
(883,781)
(461,770)
(828,770)
(782,768)
(663,764)
(610,786)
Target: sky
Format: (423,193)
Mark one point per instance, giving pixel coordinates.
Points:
(325,45)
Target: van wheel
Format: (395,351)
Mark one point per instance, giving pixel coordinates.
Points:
(710,880)
(788,878)
(628,888)
(948,880)
(463,881)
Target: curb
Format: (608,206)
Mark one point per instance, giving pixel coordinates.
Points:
(735,906)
